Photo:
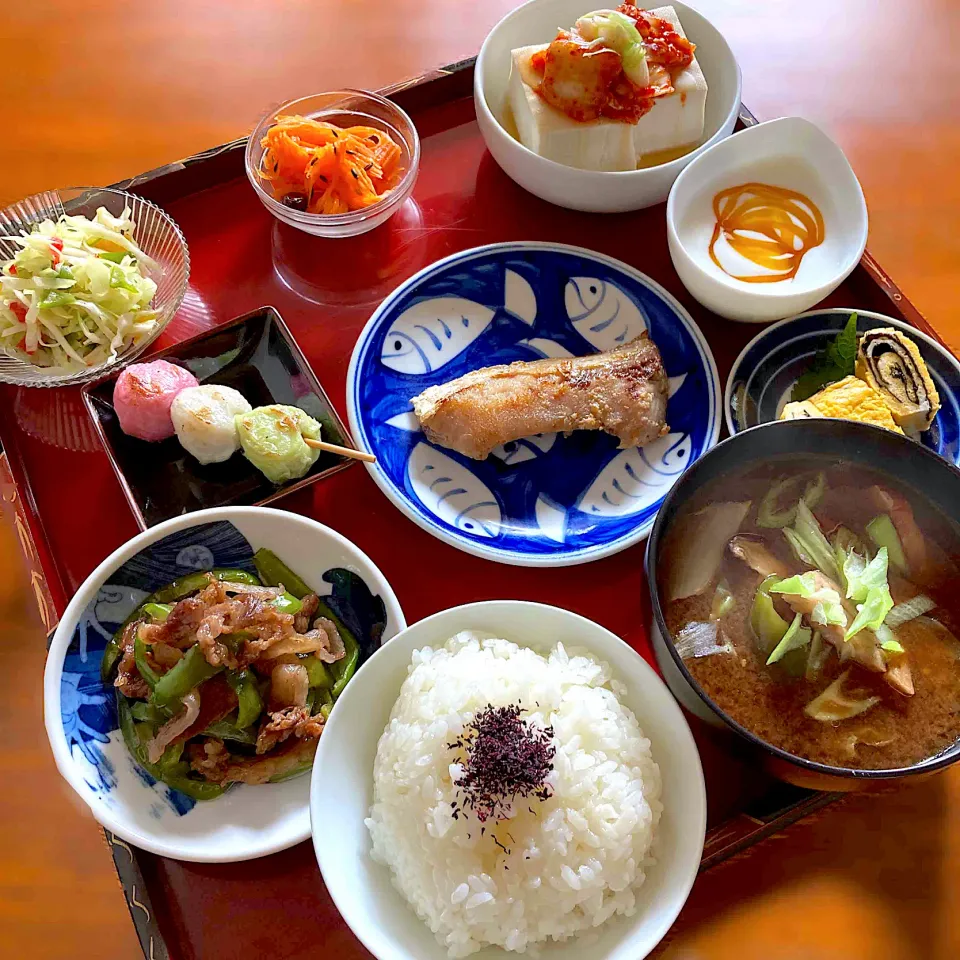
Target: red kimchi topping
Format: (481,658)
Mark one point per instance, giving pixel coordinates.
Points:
(585,80)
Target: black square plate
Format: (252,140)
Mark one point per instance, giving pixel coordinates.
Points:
(255,354)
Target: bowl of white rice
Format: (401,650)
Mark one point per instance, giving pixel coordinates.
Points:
(507,777)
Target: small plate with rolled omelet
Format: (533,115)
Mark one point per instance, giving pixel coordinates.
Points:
(896,377)
(225,418)
(594,336)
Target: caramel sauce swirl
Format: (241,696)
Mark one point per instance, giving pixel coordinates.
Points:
(772,227)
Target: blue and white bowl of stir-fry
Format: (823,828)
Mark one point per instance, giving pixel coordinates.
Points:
(89,277)
(191,677)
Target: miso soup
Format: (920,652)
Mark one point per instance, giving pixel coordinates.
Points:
(818,605)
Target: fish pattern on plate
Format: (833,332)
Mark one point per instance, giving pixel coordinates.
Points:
(762,377)
(88,707)
(548,499)
(602,313)
(432,332)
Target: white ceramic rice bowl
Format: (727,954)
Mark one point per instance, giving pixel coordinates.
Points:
(342,788)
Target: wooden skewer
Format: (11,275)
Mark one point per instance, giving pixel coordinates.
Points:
(343,451)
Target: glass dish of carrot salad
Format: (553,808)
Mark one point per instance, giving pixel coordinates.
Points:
(318,167)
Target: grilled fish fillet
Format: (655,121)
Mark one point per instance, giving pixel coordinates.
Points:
(623,392)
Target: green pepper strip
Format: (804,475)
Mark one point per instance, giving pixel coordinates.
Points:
(273,572)
(186,674)
(58,298)
(171,757)
(158,611)
(325,710)
(344,668)
(295,772)
(193,582)
(233,641)
(111,656)
(169,771)
(317,673)
(287,603)
(250,703)
(149,712)
(143,665)
(230,730)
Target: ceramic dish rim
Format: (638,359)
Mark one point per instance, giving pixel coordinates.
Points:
(870,314)
(511,558)
(63,637)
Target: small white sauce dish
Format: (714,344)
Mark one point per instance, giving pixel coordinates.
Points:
(790,152)
(594,191)
(342,789)
(80,710)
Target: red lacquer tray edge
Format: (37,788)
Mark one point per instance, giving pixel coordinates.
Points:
(444,84)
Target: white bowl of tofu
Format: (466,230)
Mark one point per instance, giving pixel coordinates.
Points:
(575,158)
(789,154)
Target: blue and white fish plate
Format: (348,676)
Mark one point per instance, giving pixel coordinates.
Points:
(80,709)
(547,500)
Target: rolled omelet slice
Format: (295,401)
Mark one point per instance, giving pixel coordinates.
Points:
(851,399)
(799,410)
(272,439)
(890,363)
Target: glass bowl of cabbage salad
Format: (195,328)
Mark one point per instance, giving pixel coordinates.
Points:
(89,277)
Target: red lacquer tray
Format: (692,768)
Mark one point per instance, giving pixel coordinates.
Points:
(71,512)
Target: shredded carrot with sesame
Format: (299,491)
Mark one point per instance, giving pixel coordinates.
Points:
(336,169)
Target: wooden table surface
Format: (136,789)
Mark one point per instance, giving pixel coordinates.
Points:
(94,92)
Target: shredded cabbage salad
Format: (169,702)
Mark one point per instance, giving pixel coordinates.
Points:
(75,295)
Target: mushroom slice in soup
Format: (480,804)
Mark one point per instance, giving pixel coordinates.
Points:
(909,610)
(899,675)
(868,737)
(694,547)
(833,705)
(752,550)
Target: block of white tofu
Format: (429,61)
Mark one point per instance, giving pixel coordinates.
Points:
(591,145)
(674,122)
